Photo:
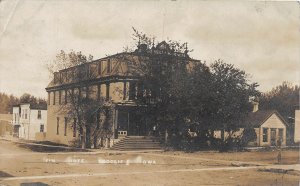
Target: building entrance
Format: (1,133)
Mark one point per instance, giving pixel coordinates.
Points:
(131,123)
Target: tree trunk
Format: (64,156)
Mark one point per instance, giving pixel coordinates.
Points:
(95,141)
(96,132)
(83,137)
(88,137)
(166,136)
(101,142)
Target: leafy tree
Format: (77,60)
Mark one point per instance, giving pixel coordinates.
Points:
(6,102)
(162,72)
(188,93)
(28,98)
(282,98)
(231,91)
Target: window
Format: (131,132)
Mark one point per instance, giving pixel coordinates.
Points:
(74,128)
(66,122)
(66,96)
(107,91)
(99,68)
(59,97)
(83,92)
(57,125)
(25,113)
(42,128)
(39,116)
(280,135)
(124,91)
(265,134)
(108,66)
(98,92)
(87,92)
(132,90)
(53,97)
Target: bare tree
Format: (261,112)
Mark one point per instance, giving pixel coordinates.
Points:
(85,111)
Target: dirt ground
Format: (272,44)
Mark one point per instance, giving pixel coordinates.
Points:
(19,166)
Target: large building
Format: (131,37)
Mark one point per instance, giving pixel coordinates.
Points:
(113,78)
(30,121)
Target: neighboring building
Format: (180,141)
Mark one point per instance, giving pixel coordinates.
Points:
(269,126)
(297,126)
(16,120)
(30,120)
(113,80)
(6,128)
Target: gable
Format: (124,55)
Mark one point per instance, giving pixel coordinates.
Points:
(273,122)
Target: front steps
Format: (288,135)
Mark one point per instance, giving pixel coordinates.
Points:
(137,143)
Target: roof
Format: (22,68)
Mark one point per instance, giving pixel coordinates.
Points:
(38,106)
(256,119)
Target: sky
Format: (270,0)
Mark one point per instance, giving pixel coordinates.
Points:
(262,38)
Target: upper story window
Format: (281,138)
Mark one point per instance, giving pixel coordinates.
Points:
(107,91)
(99,68)
(53,97)
(25,113)
(39,116)
(66,96)
(132,90)
(108,66)
(59,97)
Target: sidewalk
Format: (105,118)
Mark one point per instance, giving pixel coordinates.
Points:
(77,150)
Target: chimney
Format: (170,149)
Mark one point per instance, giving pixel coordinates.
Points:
(255,106)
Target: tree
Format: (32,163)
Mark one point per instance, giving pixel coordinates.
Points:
(7,102)
(282,98)
(189,94)
(162,71)
(231,91)
(79,106)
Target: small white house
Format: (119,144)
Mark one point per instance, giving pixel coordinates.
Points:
(269,126)
(30,121)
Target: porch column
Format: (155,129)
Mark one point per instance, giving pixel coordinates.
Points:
(284,137)
(269,136)
(277,135)
(124,90)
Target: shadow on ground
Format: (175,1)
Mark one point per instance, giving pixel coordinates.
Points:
(42,148)
(4,174)
(34,184)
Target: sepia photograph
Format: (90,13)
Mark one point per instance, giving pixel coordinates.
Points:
(150,93)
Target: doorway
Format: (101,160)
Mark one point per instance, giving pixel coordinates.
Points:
(273,137)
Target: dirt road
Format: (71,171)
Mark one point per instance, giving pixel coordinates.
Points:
(19,165)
